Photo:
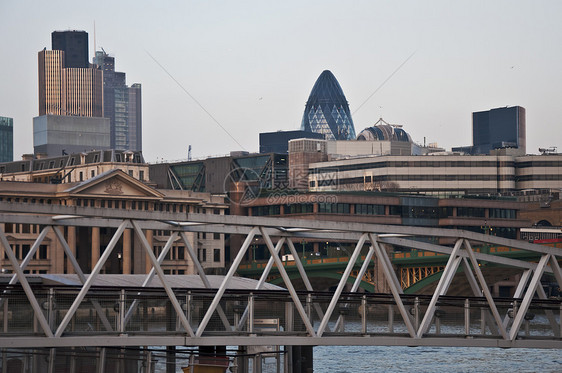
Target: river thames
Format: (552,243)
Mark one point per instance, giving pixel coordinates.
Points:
(350,359)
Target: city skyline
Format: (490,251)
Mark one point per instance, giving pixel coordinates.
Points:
(252,66)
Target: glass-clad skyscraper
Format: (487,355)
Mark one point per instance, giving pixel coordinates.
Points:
(6,139)
(327,111)
(122,105)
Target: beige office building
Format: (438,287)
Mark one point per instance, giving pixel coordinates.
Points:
(116,190)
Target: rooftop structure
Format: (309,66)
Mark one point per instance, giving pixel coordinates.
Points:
(73,167)
(278,142)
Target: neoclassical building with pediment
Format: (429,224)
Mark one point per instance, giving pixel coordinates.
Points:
(112,189)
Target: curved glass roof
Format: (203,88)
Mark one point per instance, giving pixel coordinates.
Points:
(327,111)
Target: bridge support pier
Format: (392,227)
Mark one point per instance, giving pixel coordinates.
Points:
(302,359)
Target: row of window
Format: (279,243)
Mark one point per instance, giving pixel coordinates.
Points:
(21,251)
(118,204)
(200,235)
(414,163)
(405,211)
(543,163)
(536,177)
(381,178)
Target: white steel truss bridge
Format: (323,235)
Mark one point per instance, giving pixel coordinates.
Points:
(43,316)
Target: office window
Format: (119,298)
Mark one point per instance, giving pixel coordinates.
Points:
(216,255)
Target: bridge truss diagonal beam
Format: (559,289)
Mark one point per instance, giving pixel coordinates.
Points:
(160,273)
(261,281)
(25,284)
(28,257)
(485,289)
(519,291)
(488,318)
(222,287)
(304,276)
(193,255)
(529,293)
(358,279)
(394,285)
(150,275)
(86,286)
(335,298)
(81,276)
(442,287)
(288,283)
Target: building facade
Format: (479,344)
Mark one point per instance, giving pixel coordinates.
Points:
(439,174)
(6,139)
(122,105)
(55,135)
(327,110)
(113,189)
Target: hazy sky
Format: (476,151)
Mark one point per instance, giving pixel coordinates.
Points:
(252,64)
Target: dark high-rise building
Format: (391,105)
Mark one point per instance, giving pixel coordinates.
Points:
(74,44)
(327,110)
(278,142)
(6,139)
(122,105)
(501,128)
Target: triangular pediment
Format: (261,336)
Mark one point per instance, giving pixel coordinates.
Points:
(116,184)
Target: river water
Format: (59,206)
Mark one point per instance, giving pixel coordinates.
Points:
(344,359)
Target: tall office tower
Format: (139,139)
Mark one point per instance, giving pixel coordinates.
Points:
(135,117)
(70,98)
(327,111)
(51,87)
(6,139)
(75,46)
(122,105)
(499,128)
(69,86)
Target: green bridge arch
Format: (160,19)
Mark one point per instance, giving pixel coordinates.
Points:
(324,274)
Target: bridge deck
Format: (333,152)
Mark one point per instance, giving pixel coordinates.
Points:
(263,317)
(35,316)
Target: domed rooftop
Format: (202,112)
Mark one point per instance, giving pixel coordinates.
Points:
(384,131)
(327,111)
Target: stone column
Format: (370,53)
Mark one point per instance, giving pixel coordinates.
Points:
(150,238)
(127,252)
(95,247)
(71,240)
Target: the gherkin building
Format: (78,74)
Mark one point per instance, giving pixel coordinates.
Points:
(327,111)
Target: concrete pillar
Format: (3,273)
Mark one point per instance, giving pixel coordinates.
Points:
(150,238)
(302,359)
(71,240)
(127,252)
(95,247)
